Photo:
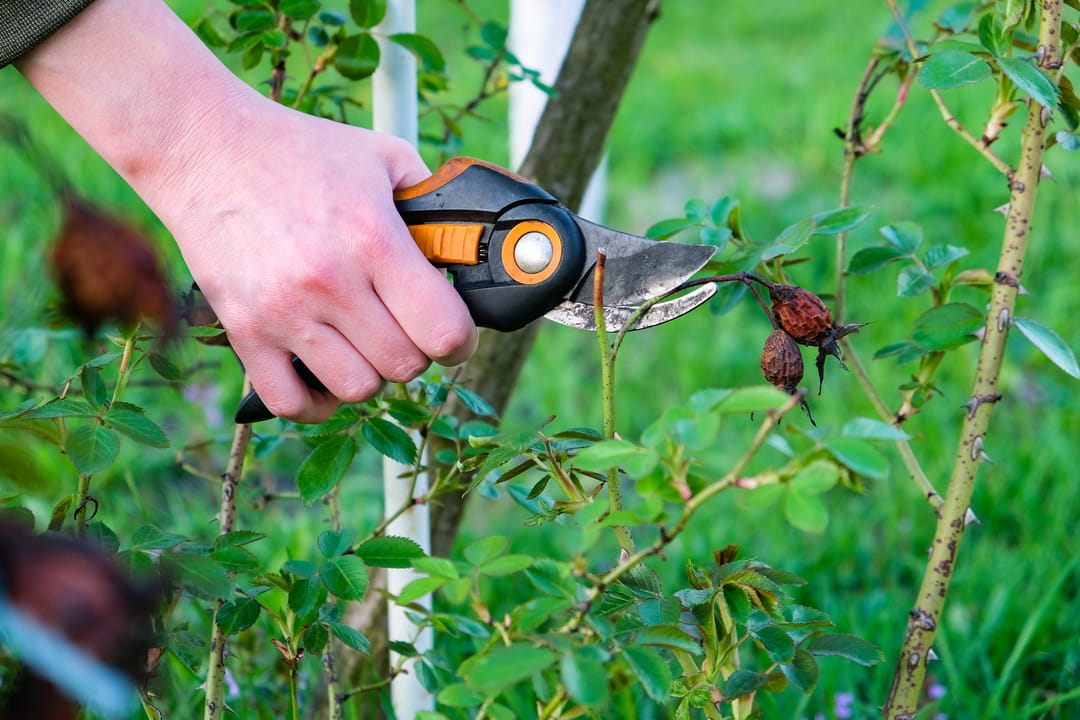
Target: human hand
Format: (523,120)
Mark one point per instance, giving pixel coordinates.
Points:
(293,237)
(286,221)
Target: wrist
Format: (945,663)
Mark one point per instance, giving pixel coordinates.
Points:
(141,89)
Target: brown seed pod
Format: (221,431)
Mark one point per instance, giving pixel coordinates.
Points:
(801,313)
(781,361)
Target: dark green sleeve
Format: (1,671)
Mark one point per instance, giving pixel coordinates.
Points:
(24,24)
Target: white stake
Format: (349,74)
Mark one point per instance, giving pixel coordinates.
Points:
(540,33)
(395,112)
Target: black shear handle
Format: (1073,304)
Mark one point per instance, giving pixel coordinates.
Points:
(513,251)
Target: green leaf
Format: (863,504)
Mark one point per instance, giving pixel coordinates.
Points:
(345,576)
(486,549)
(91,447)
(941,255)
(669,228)
(660,611)
(803,671)
(332,18)
(906,236)
(668,636)
(506,565)
(947,326)
(847,646)
(389,552)
(93,386)
(299,9)
(350,636)
(551,578)
(805,512)
(420,587)
(1050,343)
(953,68)
(137,426)
(390,440)
(149,537)
(474,402)
(651,670)
(1031,80)
(238,615)
(427,53)
(60,408)
(956,18)
(777,643)
(840,220)
(253,21)
(872,258)
(203,575)
(459,695)
(237,559)
(506,666)
(643,581)
(357,56)
(305,594)
(743,682)
(860,456)
(334,542)
(816,478)
(608,454)
(315,638)
(913,281)
(584,678)
(790,240)
(992,35)
(367,13)
(871,429)
(324,467)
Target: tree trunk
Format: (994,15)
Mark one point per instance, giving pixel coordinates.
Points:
(567,147)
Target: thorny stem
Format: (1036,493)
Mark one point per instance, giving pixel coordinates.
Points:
(607,395)
(230,481)
(923,620)
(855,148)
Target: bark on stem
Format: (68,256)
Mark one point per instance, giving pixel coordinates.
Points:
(923,620)
(214,708)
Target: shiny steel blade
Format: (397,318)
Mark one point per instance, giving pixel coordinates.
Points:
(637,269)
(582,315)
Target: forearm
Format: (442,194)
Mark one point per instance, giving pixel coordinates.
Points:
(140,87)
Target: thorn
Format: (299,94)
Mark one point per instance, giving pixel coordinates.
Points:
(1044,172)
(980,334)
(1003,320)
(931,655)
(977,448)
(1021,290)
(1004,209)
(970,518)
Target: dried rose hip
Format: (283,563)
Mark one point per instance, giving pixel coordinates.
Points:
(807,319)
(781,361)
(801,313)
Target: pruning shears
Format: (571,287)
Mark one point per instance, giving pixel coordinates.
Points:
(515,254)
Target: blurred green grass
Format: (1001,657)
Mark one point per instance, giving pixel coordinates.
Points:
(741,99)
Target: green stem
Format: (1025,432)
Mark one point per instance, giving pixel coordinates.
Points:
(607,396)
(924,618)
(692,506)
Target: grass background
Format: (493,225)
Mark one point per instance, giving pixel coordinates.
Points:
(735,99)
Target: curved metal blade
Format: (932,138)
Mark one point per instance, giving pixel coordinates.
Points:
(583,316)
(637,269)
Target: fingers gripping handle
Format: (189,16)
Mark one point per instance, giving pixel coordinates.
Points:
(513,251)
(252,409)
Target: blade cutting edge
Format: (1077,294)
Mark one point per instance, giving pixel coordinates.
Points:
(582,316)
